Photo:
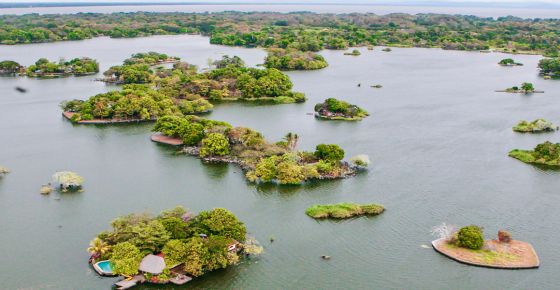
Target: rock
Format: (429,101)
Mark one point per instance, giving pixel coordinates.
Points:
(324,257)
(504,236)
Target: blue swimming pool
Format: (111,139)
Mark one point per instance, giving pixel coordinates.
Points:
(104,267)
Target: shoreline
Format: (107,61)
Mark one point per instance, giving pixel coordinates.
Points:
(68,116)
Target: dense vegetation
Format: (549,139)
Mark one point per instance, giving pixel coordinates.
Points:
(525,88)
(43,68)
(278,162)
(293,59)
(198,243)
(354,52)
(470,237)
(343,210)
(546,153)
(10,67)
(138,68)
(303,30)
(538,125)
(550,66)
(509,62)
(334,109)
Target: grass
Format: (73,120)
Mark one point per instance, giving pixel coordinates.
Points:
(487,256)
(343,210)
(536,126)
(528,157)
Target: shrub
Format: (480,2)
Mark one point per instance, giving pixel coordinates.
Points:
(329,152)
(214,144)
(470,237)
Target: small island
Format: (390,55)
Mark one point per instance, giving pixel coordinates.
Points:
(67,181)
(537,126)
(333,109)
(343,210)
(10,67)
(526,88)
(138,68)
(387,49)
(45,69)
(354,52)
(173,247)
(262,162)
(509,62)
(547,154)
(550,67)
(293,59)
(468,246)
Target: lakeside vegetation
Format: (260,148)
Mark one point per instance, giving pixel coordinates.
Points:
(181,90)
(333,109)
(509,62)
(354,52)
(43,68)
(279,162)
(536,126)
(343,210)
(550,67)
(546,153)
(303,31)
(525,88)
(189,243)
(293,59)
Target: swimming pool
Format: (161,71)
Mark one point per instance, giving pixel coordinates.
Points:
(103,268)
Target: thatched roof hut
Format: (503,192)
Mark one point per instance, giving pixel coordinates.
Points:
(152,264)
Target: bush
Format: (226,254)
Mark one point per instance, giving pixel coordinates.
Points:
(214,144)
(329,152)
(470,237)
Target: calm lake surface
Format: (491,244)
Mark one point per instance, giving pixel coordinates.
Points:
(438,137)
(482,11)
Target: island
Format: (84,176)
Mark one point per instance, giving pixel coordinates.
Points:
(293,59)
(3,171)
(537,126)
(509,62)
(182,90)
(262,161)
(468,246)
(137,69)
(333,109)
(67,181)
(173,247)
(526,88)
(10,67)
(44,69)
(387,49)
(343,210)
(354,52)
(550,67)
(546,154)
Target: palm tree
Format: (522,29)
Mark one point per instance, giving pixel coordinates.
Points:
(292,140)
(97,247)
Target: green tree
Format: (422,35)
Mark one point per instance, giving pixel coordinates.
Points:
(125,259)
(175,226)
(470,237)
(150,237)
(527,87)
(329,152)
(175,252)
(215,144)
(196,254)
(221,222)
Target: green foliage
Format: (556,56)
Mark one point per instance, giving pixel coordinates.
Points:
(220,222)
(343,210)
(508,62)
(293,59)
(550,66)
(266,169)
(196,257)
(9,67)
(215,144)
(150,236)
(329,152)
(527,87)
(77,66)
(470,237)
(354,52)
(227,61)
(175,252)
(339,110)
(546,153)
(175,226)
(125,259)
(536,126)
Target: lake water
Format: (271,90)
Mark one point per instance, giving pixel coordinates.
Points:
(438,137)
(482,11)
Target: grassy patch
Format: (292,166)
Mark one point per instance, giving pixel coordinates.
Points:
(343,210)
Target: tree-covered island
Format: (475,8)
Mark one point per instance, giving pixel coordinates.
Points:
(138,69)
(509,62)
(536,126)
(354,52)
(333,109)
(174,246)
(293,59)
(525,88)
(43,68)
(181,90)
(550,67)
(303,31)
(262,161)
(343,210)
(547,154)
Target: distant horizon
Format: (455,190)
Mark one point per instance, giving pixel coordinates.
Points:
(546,4)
